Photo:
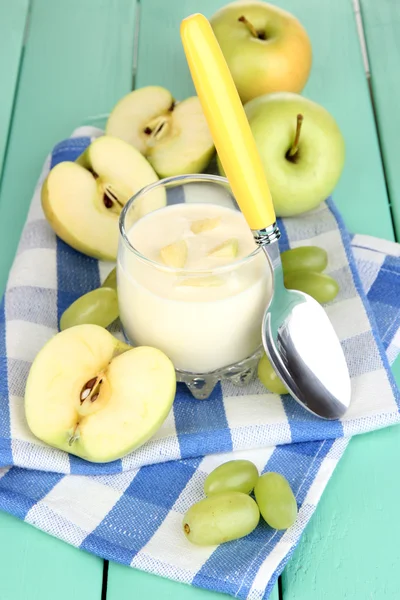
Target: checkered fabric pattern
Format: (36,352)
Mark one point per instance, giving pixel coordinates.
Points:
(137,503)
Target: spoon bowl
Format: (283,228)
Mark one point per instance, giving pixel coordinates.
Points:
(303,347)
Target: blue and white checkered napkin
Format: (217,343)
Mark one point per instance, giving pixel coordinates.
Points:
(135,511)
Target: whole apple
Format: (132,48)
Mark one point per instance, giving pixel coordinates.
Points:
(266,48)
(301,148)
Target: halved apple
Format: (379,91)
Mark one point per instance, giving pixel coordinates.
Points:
(174,136)
(91,395)
(82,200)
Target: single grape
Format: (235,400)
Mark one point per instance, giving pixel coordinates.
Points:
(304,258)
(268,377)
(111,280)
(221,518)
(276,500)
(99,307)
(318,285)
(234,475)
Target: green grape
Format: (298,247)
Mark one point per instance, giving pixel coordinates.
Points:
(99,307)
(318,285)
(276,500)
(232,476)
(221,518)
(304,258)
(111,280)
(268,377)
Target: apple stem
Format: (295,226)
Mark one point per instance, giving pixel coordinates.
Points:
(257,34)
(75,435)
(295,146)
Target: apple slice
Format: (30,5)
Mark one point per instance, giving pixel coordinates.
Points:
(174,137)
(227,249)
(205,225)
(82,200)
(175,255)
(94,396)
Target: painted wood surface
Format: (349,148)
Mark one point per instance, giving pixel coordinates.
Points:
(13,21)
(77,63)
(382,26)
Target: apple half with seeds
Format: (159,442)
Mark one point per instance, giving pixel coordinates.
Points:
(91,395)
(82,200)
(173,136)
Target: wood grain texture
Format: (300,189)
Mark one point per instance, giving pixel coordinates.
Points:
(77,63)
(13,17)
(382,32)
(125,583)
(35,566)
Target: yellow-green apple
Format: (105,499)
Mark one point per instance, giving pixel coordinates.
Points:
(173,136)
(266,48)
(91,395)
(82,200)
(301,148)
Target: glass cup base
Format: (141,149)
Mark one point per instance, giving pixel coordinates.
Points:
(240,374)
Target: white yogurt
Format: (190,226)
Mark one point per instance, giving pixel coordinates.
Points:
(200,328)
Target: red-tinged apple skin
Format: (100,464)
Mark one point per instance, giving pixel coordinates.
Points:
(302,183)
(280,62)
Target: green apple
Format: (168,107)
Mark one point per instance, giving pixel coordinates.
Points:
(173,136)
(91,395)
(301,148)
(266,48)
(82,200)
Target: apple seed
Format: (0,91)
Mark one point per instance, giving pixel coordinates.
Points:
(87,388)
(157,128)
(107,201)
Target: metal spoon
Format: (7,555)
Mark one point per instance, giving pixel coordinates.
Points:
(297,334)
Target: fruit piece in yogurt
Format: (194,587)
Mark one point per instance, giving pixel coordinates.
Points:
(175,255)
(205,225)
(227,249)
(209,281)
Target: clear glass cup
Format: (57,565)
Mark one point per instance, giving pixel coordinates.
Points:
(208,321)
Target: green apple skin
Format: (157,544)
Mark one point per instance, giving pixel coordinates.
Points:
(280,62)
(300,184)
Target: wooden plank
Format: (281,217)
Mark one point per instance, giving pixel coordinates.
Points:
(13,17)
(35,566)
(125,583)
(382,32)
(77,63)
(338,82)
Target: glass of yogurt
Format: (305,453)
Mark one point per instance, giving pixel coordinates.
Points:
(191,280)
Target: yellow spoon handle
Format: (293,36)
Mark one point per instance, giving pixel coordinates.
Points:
(227,121)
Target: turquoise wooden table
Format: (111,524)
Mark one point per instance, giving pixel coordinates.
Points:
(64,61)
